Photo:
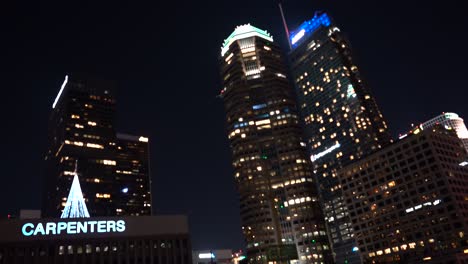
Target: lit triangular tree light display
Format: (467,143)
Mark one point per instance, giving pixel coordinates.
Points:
(75,206)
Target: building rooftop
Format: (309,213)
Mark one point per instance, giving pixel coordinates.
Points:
(244,31)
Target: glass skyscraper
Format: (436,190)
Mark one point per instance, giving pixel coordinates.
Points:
(132,172)
(81,134)
(341,120)
(282,221)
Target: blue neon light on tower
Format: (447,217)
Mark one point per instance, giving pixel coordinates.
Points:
(308,27)
(342,122)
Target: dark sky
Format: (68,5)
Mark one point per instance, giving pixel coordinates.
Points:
(164,56)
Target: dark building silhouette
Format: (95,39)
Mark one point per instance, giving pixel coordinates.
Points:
(341,120)
(280,212)
(408,202)
(133,192)
(161,239)
(81,130)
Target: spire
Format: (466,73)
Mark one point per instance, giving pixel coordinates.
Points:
(284,23)
(75,206)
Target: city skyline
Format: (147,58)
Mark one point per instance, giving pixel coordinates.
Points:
(38,70)
(113,167)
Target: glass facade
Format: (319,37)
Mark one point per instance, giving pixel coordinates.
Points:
(281,217)
(408,201)
(341,120)
(81,130)
(133,191)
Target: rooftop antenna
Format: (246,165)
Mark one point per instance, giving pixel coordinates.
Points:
(284,24)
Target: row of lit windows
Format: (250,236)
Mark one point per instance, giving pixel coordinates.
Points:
(103,195)
(81,144)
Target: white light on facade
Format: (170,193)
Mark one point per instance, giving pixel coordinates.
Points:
(243,32)
(402,136)
(419,206)
(298,36)
(60,92)
(206,255)
(143,139)
(317,156)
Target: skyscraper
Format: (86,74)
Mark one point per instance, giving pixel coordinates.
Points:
(408,202)
(451,120)
(81,131)
(132,179)
(341,120)
(280,212)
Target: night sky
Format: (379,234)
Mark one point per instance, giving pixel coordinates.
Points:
(164,57)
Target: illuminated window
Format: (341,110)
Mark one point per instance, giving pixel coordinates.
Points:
(92,145)
(143,139)
(103,195)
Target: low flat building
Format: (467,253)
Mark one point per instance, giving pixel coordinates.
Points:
(142,239)
(408,202)
(29,214)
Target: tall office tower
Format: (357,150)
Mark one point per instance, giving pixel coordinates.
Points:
(280,212)
(132,175)
(81,132)
(450,120)
(408,202)
(341,120)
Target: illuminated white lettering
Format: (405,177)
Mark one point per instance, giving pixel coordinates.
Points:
(101,226)
(71,228)
(26,232)
(61,226)
(120,226)
(82,227)
(325,152)
(110,226)
(50,228)
(91,224)
(39,229)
